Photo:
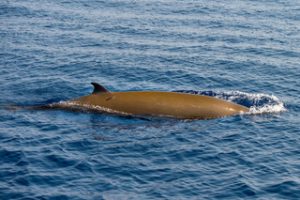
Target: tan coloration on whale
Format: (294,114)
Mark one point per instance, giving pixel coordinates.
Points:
(157,103)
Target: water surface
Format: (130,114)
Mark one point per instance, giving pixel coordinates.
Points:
(242,51)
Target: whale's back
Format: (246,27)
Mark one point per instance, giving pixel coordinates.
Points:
(168,104)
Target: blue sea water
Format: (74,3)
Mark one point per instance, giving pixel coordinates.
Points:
(246,51)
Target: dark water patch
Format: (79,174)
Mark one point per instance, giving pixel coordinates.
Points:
(84,167)
(7,10)
(285,189)
(59,161)
(4,193)
(10,156)
(244,191)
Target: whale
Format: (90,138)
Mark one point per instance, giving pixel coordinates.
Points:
(157,104)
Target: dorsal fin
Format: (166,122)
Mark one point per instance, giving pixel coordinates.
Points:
(98,88)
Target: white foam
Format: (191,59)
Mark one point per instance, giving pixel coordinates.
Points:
(267,109)
(273,104)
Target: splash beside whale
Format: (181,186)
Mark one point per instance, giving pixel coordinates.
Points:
(156,104)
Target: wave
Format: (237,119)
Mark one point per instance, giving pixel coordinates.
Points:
(259,103)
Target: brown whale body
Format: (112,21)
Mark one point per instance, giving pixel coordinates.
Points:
(158,103)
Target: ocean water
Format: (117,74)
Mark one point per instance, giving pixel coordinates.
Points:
(246,52)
